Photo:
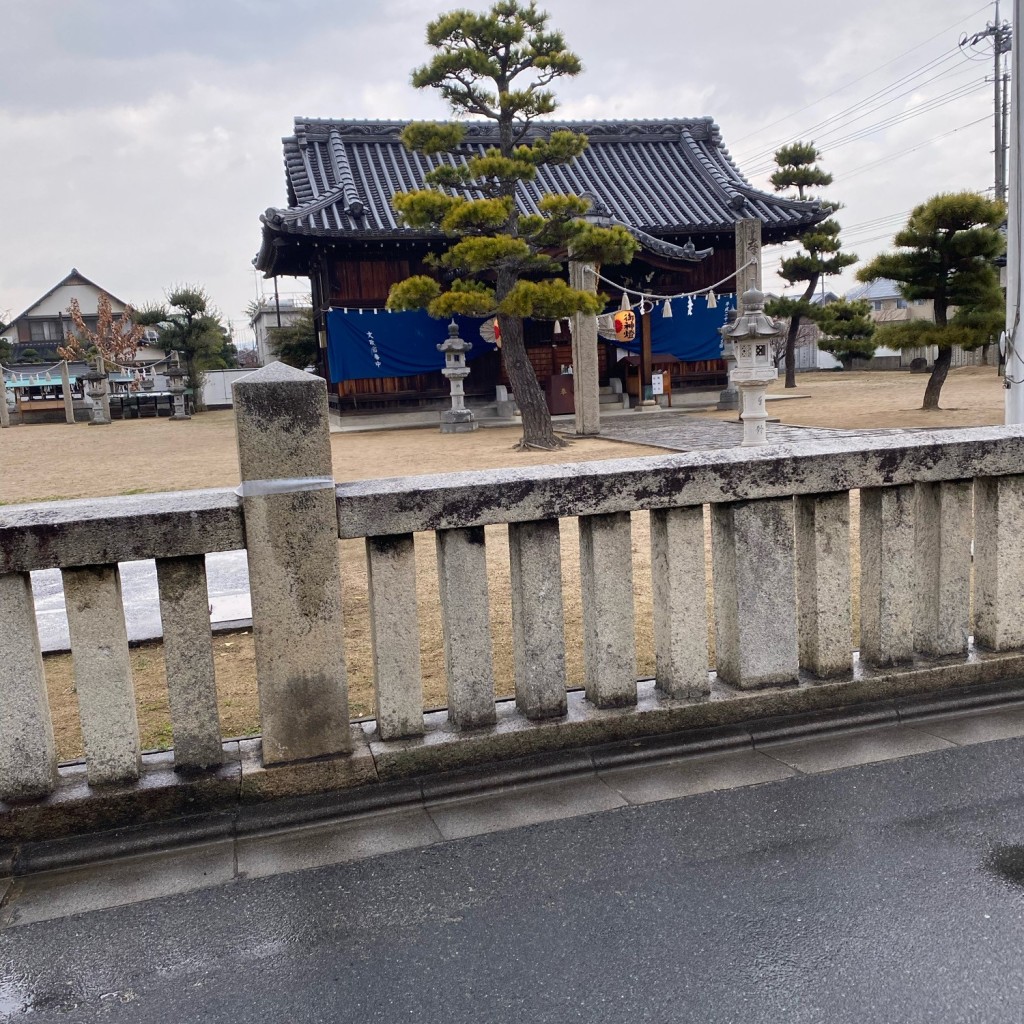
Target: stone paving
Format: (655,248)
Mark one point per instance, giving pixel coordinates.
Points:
(698,433)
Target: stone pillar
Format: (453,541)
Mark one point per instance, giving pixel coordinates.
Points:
(748,247)
(679,584)
(823,583)
(887,575)
(291,536)
(755,593)
(102,673)
(538,632)
(188,657)
(999,562)
(28,759)
(395,635)
(5,413)
(468,652)
(586,383)
(609,632)
(101,364)
(65,390)
(943,531)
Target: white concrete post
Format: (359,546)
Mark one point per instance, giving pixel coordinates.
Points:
(999,562)
(943,531)
(755,593)
(609,632)
(679,585)
(823,583)
(468,651)
(886,575)
(28,759)
(395,635)
(291,536)
(586,379)
(5,413)
(188,657)
(538,632)
(103,673)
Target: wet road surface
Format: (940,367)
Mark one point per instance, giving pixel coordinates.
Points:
(881,893)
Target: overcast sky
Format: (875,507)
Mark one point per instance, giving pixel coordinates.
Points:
(141,138)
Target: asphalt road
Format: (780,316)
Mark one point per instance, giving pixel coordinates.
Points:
(891,892)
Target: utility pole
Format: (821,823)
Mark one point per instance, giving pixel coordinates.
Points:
(1001,35)
(1013,339)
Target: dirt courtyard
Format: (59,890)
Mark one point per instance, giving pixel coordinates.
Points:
(51,461)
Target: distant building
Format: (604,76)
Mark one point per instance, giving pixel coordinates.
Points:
(888,304)
(270,314)
(44,326)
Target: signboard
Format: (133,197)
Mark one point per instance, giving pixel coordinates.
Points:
(657,384)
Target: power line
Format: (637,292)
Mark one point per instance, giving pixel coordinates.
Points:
(869,103)
(962,92)
(874,71)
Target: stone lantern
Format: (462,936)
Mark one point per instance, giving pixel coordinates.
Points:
(729,398)
(458,419)
(175,384)
(752,335)
(96,389)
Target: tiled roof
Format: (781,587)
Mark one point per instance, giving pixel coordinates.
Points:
(662,177)
(880,288)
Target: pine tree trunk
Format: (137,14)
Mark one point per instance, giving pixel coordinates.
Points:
(794,327)
(538,431)
(938,378)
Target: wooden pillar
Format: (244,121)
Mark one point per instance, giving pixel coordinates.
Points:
(645,358)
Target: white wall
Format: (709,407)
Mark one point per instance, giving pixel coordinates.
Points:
(217,389)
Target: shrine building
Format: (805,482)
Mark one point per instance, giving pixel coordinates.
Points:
(671,183)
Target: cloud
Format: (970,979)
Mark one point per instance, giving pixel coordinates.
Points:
(142,137)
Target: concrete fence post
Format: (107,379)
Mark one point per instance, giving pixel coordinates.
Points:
(823,583)
(943,531)
(887,575)
(755,593)
(999,562)
(291,538)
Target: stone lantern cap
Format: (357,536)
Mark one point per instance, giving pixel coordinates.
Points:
(174,372)
(454,343)
(752,322)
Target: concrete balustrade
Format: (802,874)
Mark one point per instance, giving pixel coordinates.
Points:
(999,562)
(755,593)
(538,635)
(823,583)
(609,632)
(102,673)
(781,578)
(395,636)
(188,657)
(468,650)
(887,565)
(943,532)
(28,759)
(679,585)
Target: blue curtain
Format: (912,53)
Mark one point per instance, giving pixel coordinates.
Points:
(689,337)
(364,343)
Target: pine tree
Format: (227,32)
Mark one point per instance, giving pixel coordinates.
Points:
(820,256)
(847,330)
(945,254)
(296,343)
(497,65)
(190,325)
